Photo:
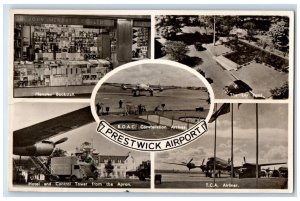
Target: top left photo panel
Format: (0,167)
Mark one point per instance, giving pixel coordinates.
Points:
(64,56)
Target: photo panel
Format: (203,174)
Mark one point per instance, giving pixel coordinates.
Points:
(246,147)
(59,148)
(64,56)
(242,56)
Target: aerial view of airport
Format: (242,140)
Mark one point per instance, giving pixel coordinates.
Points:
(242,56)
(60,148)
(207,163)
(152,101)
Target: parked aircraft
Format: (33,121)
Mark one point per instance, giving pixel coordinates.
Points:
(247,170)
(137,89)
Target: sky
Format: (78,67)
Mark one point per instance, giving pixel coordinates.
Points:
(156,74)
(273,138)
(39,112)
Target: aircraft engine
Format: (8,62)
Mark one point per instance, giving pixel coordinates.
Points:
(44,148)
(38,149)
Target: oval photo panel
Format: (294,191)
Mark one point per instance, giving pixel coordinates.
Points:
(152,100)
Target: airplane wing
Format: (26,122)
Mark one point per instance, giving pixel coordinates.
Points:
(177,164)
(236,167)
(61,124)
(128,86)
(157,89)
(267,164)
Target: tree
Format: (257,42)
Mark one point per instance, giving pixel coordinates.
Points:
(169,25)
(279,32)
(250,27)
(109,168)
(206,22)
(176,49)
(58,153)
(281,92)
(221,25)
(209,22)
(263,42)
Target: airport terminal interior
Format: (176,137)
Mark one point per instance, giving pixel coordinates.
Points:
(75,50)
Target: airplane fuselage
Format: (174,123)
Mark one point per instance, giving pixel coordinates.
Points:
(220,164)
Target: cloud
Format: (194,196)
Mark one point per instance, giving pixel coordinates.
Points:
(277,154)
(156,74)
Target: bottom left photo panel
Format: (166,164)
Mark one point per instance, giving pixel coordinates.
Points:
(55,145)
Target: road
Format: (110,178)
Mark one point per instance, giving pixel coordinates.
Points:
(212,69)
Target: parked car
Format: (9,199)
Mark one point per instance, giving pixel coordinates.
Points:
(199,47)
(237,87)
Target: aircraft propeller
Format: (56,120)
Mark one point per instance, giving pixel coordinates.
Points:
(62,140)
(190,161)
(202,166)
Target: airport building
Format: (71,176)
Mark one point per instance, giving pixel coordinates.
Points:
(121,163)
(57,50)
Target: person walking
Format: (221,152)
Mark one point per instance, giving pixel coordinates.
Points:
(98,108)
(140,109)
(120,103)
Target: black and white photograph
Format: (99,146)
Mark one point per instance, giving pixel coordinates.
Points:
(242,56)
(153,100)
(246,148)
(61,56)
(60,148)
(175,101)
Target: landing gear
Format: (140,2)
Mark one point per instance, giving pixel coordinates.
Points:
(136,93)
(73,178)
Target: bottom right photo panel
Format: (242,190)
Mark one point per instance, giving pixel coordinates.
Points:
(246,147)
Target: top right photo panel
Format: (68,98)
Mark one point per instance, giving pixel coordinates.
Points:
(241,56)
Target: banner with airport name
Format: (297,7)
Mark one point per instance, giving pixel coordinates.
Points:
(123,139)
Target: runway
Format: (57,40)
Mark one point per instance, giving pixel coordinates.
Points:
(174,99)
